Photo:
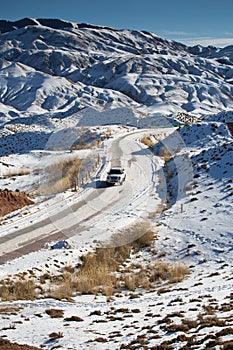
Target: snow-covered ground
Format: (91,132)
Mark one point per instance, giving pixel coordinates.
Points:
(49,71)
(194,230)
(71,90)
(111,209)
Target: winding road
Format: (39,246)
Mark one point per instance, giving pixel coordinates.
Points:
(98,211)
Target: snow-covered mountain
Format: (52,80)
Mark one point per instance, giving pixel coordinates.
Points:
(63,88)
(57,68)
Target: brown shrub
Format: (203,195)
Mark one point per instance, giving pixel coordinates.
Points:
(63,287)
(172,272)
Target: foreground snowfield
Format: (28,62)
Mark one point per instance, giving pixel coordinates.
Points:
(195,230)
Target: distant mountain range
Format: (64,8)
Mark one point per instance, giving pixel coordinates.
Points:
(57,68)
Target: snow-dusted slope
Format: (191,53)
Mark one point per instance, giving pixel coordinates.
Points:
(53,65)
(63,82)
(195,230)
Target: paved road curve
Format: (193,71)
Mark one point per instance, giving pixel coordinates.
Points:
(96,209)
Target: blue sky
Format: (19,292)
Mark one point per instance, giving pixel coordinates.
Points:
(202,22)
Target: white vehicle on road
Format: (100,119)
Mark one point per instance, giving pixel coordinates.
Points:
(116,175)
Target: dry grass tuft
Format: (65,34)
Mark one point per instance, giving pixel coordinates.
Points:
(174,273)
(178,272)
(148,141)
(61,175)
(68,173)
(107,271)
(166,154)
(18,290)
(9,309)
(95,274)
(16,172)
(62,287)
(138,236)
(146,240)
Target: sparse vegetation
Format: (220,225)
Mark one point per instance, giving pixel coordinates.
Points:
(139,235)
(102,272)
(11,290)
(48,124)
(55,335)
(87,139)
(159,210)
(9,310)
(66,174)
(16,172)
(108,270)
(166,154)
(5,344)
(60,176)
(73,319)
(148,140)
(55,313)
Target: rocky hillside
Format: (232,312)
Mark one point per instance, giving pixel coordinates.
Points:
(55,68)
(12,200)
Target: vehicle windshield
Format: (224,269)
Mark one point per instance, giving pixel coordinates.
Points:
(116,171)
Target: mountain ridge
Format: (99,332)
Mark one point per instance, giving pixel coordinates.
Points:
(54,64)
